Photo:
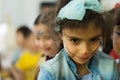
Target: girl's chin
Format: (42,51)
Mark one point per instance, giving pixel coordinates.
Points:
(82,60)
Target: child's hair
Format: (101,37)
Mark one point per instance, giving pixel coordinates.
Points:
(116,17)
(24,30)
(48,19)
(36,22)
(107,47)
(60,4)
(112,18)
(90,16)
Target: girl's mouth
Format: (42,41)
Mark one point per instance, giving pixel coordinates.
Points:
(46,49)
(83,58)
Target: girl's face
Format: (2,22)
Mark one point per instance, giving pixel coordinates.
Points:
(116,39)
(20,40)
(30,43)
(44,40)
(81,44)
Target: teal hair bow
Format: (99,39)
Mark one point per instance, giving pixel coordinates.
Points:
(76,9)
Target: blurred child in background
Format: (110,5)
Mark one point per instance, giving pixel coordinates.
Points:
(47,36)
(25,66)
(111,41)
(116,34)
(46,33)
(22,34)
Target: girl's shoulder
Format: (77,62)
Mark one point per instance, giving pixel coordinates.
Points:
(106,66)
(104,60)
(103,56)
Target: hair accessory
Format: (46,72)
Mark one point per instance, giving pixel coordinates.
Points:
(117,5)
(76,9)
(38,33)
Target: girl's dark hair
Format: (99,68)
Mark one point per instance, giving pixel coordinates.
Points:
(36,22)
(112,18)
(90,16)
(60,4)
(116,16)
(48,19)
(26,32)
(107,40)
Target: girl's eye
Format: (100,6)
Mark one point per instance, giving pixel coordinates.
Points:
(75,41)
(95,39)
(118,33)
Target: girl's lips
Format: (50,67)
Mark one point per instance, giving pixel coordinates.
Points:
(84,58)
(46,48)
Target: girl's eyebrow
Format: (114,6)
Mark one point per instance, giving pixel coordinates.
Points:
(99,35)
(70,36)
(38,33)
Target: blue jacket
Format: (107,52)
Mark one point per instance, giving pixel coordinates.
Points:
(61,67)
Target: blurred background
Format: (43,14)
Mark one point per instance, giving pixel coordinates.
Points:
(14,13)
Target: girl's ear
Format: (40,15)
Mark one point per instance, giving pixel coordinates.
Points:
(61,36)
(111,36)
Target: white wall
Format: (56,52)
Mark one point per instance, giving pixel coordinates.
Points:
(1,10)
(108,4)
(17,12)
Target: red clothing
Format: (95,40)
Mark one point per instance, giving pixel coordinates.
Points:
(114,54)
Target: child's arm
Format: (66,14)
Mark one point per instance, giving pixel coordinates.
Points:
(19,67)
(17,75)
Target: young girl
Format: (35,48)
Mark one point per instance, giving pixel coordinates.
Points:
(81,26)
(108,44)
(116,34)
(47,37)
(112,39)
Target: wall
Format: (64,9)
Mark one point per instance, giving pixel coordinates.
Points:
(17,12)
(108,4)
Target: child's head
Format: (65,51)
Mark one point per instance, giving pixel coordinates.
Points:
(47,38)
(116,31)
(81,27)
(25,38)
(22,34)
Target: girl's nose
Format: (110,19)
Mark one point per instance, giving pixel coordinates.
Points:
(86,53)
(37,43)
(42,43)
(84,48)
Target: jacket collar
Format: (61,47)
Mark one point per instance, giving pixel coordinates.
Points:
(92,64)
